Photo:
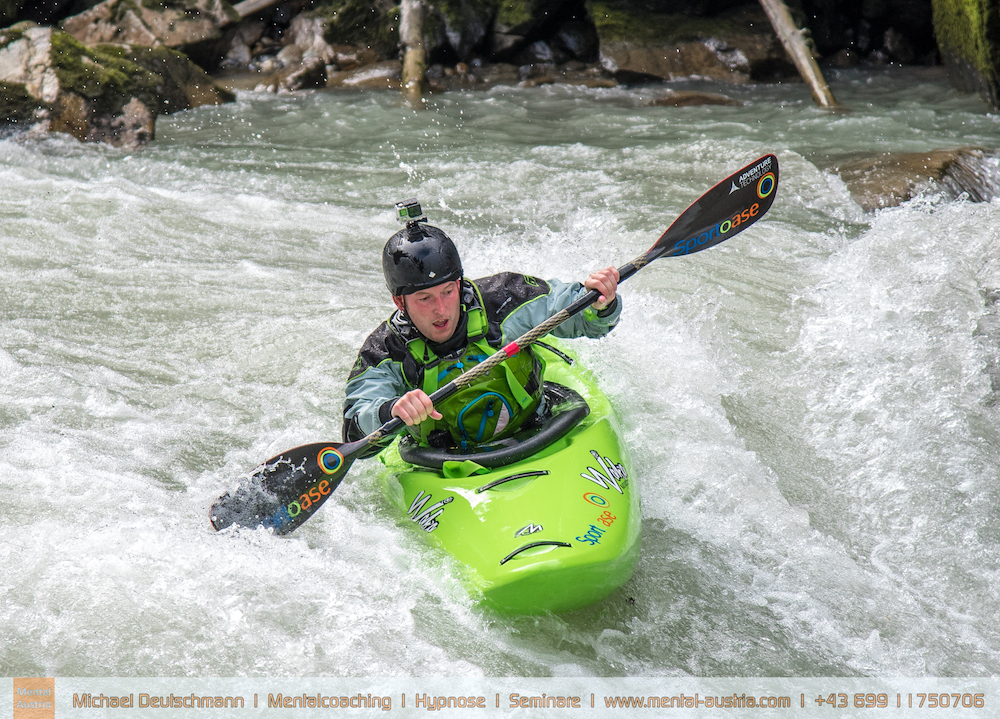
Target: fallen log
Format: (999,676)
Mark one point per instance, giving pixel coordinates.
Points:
(795,45)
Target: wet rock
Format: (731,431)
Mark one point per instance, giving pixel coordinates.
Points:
(51,82)
(689,99)
(843,59)
(372,24)
(247,34)
(311,64)
(524,17)
(580,40)
(519,24)
(291,78)
(890,179)
(380,76)
(304,61)
(634,63)
(541,53)
(969,40)
(482,76)
(637,44)
(351,58)
(570,74)
(307,34)
(898,47)
(194,27)
(476,77)
(181,85)
(17,105)
(464,24)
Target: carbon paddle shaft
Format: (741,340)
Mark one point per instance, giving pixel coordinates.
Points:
(288,489)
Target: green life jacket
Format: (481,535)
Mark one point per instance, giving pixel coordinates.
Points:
(492,408)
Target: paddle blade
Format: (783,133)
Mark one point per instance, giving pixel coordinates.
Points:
(724,211)
(285,491)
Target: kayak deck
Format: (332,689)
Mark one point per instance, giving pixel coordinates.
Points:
(554,532)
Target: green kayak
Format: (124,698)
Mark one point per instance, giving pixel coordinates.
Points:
(547,520)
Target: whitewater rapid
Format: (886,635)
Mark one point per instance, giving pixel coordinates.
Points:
(811,408)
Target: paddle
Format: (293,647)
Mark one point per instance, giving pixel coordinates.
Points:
(287,489)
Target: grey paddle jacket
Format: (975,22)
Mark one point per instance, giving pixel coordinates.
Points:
(513,303)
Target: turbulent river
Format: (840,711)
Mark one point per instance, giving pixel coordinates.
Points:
(811,408)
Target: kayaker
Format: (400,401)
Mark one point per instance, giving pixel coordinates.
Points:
(444,324)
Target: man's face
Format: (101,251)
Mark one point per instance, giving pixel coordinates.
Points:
(435,311)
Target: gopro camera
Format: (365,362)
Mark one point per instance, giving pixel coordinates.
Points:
(408,211)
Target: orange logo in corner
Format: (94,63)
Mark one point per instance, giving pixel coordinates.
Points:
(34,698)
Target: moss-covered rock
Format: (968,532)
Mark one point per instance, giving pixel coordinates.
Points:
(519,23)
(968,35)
(514,16)
(107,80)
(17,105)
(106,93)
(180,84)
(638,43)
(200,29)
(370,23)
(466,23)
(623,21)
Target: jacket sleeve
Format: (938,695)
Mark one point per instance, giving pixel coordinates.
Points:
(589,323)
(369,397)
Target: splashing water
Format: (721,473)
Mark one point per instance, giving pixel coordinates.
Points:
(811,407)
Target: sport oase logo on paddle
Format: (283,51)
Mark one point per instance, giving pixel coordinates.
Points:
(721,229)
(308,499)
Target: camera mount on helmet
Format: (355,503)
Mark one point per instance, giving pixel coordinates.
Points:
(419,256)
(408,212)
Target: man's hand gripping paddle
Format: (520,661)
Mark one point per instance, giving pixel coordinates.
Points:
(287,489)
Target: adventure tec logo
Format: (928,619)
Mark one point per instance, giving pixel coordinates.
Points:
(757,171)
(763,177)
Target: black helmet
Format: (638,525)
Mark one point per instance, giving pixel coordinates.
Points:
(418,257)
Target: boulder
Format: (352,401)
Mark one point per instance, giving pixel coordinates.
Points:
(17,105)
(638,44)
(294,76)
(690,99)
(194,27)
(968,35)
(300,64)
(890,179)
(592,78)
(522,23)
(245,36)
(579,39)
(307,34)
(873,31)
(380,76)
(464,23)
(372,24)
(182,85)
(110,93)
